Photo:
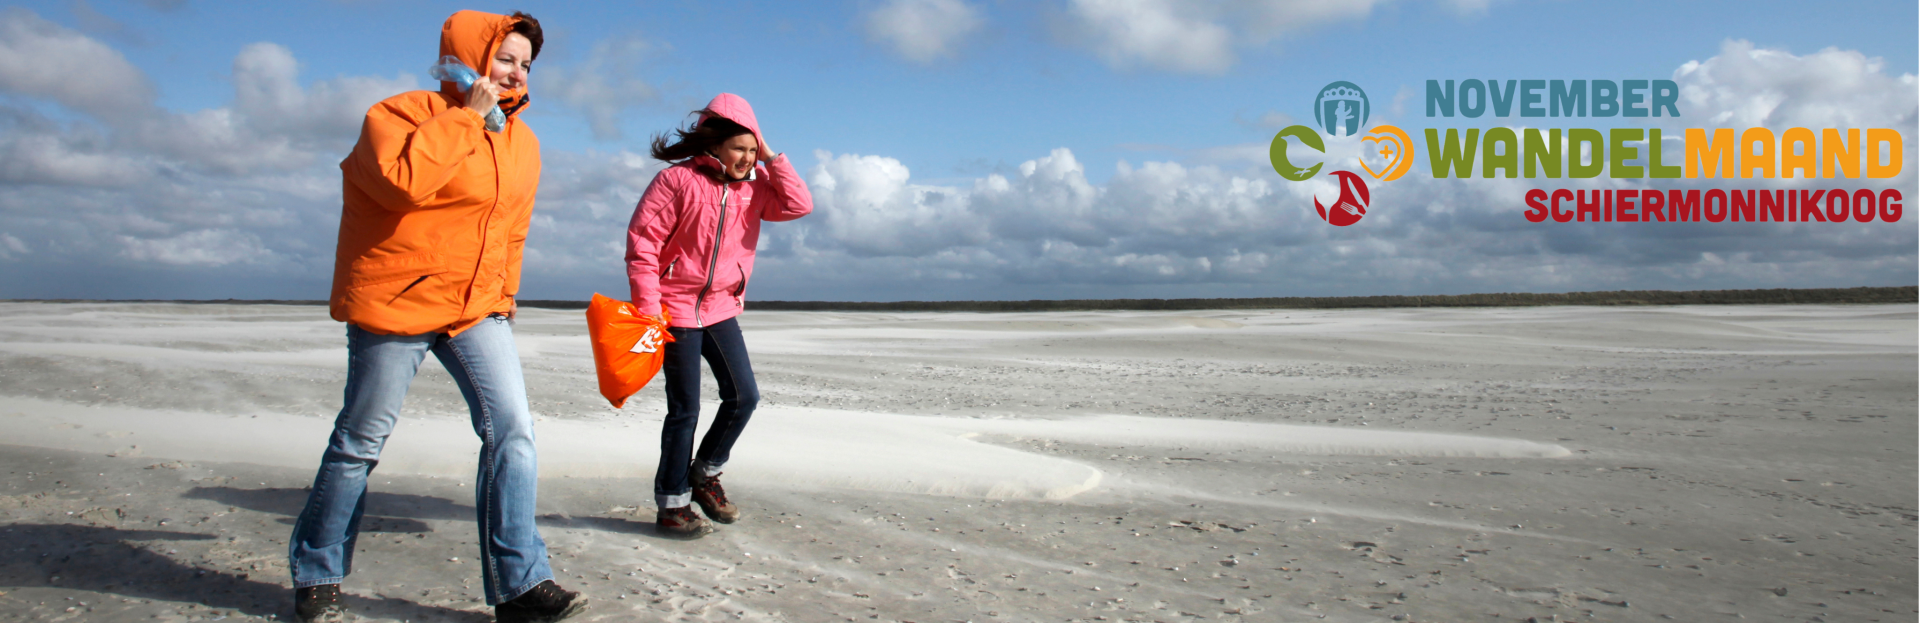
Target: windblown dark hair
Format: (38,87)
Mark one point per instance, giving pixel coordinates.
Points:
(530,28)
(696,140)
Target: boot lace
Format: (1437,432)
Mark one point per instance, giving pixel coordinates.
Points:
(711,487)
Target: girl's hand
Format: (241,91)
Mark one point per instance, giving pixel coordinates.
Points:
(483,96)
(766,153)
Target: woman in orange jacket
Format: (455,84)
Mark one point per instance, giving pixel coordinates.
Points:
(437,197)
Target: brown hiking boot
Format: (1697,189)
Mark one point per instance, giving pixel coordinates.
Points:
(712,499)
(546,603)
(681,522)
(319,604)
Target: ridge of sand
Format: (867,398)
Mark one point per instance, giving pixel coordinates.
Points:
(814,448)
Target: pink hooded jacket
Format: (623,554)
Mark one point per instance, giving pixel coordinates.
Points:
(690,244)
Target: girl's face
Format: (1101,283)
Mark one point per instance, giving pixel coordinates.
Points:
(512,62)
(737,155)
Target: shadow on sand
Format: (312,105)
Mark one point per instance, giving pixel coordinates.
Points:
(403,512)
(103,559)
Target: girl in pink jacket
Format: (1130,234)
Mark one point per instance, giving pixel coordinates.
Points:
(689,253)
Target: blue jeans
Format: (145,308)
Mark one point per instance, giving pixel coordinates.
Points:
(726,353)
(486,366)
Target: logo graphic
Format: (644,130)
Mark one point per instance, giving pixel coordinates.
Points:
(1341,109)
(1277,152)
(1352,203)
(649,341)
(1394,148)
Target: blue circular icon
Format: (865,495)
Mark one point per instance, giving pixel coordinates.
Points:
(1341,109)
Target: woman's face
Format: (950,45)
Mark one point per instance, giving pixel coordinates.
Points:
(512,62)
(737,155)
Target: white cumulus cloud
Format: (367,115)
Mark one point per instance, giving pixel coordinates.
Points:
(1746,86)
(1196,36)
(125,190)
(42,59)
(1042,221)
(867,207)
(267,92)
(1156,34)
(603,87)
(923,31)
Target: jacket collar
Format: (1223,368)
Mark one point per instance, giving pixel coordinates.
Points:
(713,168)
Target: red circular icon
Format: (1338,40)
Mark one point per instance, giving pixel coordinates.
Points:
(1352,203)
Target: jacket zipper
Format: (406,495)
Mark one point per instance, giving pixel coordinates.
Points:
(713,262)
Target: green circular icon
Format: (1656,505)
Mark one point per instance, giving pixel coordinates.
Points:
(1277,152)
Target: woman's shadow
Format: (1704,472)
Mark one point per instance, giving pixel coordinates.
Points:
(106,560)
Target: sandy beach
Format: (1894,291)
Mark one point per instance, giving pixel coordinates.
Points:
(1505,464)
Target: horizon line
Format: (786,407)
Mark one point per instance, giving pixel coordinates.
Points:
(1771,296)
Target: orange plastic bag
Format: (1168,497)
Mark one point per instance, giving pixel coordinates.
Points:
(628,348)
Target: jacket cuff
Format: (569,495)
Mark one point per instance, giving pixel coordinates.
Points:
(641,305)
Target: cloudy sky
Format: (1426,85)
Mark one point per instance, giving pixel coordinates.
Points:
(957,149)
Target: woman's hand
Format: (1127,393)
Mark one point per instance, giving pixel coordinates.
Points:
(483,96)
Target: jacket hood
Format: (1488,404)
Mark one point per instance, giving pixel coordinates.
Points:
(473,37)
(736,109)
(733,108)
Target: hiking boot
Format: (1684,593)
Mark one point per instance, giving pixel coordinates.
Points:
(681,522)
(319,604)
(711,497)
(545,603)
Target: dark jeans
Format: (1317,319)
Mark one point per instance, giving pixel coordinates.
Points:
(726,354)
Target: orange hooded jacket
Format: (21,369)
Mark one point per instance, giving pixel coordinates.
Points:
(436,207)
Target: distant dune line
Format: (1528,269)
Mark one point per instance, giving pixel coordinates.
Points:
(1777,296)
(1825,296)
